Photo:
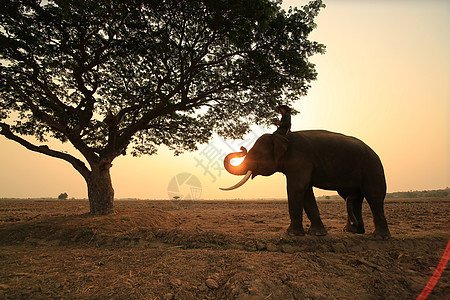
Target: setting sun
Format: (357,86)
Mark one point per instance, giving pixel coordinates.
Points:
(237,161)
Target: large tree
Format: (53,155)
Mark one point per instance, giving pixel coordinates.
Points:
(112,77)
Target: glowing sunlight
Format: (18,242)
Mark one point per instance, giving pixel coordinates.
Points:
(237,161)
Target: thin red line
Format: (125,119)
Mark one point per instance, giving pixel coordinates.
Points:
(436,275)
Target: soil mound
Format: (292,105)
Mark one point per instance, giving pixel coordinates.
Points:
(81,228)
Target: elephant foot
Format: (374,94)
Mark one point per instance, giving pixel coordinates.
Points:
(381,235)
(296,231)
(317,231)
(354,229)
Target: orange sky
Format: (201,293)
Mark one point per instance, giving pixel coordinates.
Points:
(385,79)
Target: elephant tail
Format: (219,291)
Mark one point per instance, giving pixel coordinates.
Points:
(350,212)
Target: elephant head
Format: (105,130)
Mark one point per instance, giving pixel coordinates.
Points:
(264,158)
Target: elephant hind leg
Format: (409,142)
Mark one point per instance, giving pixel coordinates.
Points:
(376,203)
(356,205)
(354,200)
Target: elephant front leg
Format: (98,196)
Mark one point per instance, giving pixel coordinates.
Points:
(312,211)
(296,197)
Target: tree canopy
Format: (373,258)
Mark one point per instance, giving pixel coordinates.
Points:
(112,77)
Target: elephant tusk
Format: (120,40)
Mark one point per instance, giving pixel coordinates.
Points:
(240,183)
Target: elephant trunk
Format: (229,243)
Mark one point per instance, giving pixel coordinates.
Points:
(235,170)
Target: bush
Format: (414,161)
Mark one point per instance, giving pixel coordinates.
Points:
(63,196)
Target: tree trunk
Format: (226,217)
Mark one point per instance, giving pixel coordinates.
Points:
(100,190)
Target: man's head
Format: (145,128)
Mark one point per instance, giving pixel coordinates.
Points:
(282,109)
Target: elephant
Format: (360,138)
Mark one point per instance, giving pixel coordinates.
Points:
(322,159)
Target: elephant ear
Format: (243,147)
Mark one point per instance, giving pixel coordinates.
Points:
(280,145)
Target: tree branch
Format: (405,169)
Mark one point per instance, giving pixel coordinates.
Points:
(74,137)
(35,109)
(76,163)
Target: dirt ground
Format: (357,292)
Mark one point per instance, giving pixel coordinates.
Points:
(216,250)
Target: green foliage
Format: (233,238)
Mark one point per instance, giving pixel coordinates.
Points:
(106,75)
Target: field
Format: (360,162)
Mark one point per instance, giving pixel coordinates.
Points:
(216,250)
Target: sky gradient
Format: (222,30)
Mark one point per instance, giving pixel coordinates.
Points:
(385,79)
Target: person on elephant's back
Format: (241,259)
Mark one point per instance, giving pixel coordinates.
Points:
(284,125)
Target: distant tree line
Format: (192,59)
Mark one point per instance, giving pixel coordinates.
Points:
(420,194)
(409,194)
